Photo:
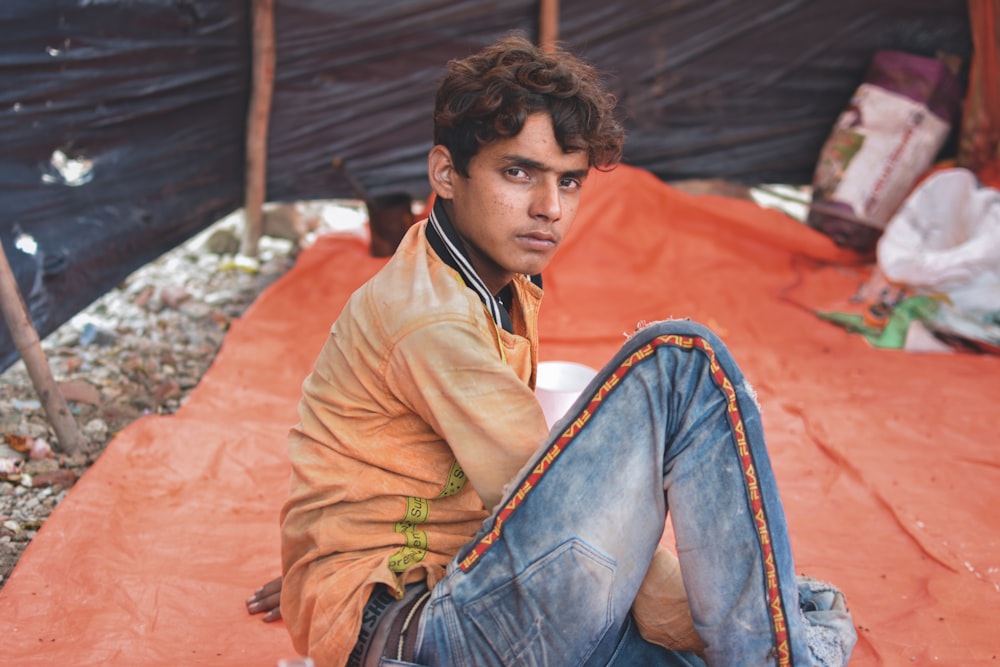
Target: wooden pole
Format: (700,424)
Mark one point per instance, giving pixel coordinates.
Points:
(25,338)
(979,140)
(548,25)
(262,89)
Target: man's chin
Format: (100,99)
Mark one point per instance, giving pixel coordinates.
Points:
(534,269)
(535,264)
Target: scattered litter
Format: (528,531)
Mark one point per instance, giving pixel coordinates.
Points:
(19,443)
(243,263)
(95,335)
(26,243)
(40,449)
(69,170)
(130,353)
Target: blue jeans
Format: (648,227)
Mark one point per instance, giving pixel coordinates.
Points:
(670,422)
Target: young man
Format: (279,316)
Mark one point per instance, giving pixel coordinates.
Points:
(433,519)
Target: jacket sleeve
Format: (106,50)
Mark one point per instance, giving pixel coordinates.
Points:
(453,377)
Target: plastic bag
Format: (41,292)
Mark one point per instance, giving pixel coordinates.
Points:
(945,239)
(881,144)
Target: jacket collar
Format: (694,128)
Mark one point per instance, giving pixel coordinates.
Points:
(448,245)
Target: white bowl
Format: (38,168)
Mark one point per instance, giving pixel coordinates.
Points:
(558,385)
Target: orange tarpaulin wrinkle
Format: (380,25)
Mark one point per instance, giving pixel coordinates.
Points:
(888,462)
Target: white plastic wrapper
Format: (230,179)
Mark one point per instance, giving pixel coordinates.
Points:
(945,239)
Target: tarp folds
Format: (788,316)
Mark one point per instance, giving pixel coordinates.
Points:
(888,481)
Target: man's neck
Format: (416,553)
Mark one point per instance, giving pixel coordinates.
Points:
(451,248)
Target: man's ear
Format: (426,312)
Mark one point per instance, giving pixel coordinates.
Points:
(441,172)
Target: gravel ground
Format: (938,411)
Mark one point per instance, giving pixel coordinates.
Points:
(138,350)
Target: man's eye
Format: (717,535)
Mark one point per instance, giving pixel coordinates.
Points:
(570,183)
(516,172)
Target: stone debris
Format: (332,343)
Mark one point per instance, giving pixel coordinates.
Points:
(138,350)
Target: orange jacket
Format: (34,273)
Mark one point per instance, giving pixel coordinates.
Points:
(415,390)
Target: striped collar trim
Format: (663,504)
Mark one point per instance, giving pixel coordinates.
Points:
(448,245)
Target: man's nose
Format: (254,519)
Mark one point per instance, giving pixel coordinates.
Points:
(547,203)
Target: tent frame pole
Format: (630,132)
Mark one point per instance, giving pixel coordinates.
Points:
(25,337)
(548,25)
(258,115)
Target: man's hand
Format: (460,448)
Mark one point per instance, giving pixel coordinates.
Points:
(266,599)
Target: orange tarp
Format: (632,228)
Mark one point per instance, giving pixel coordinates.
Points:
(888,462)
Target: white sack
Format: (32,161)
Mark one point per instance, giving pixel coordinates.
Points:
(946,239)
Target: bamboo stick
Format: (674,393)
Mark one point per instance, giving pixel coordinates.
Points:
(548,25)
(257,124)
(28,345)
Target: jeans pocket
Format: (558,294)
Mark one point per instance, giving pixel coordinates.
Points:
(556,611)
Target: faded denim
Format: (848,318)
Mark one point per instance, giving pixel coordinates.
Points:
(550,577)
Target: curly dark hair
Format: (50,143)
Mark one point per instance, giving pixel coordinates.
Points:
(489,95)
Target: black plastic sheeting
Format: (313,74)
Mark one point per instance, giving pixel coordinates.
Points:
(727,89)
(121,128)
(121,121)
(356,82)
(748,91)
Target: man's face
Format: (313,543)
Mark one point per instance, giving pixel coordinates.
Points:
(517,203)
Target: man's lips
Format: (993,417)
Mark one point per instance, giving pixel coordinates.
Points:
(538,240)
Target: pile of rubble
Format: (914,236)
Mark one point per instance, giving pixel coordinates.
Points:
(138,350)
